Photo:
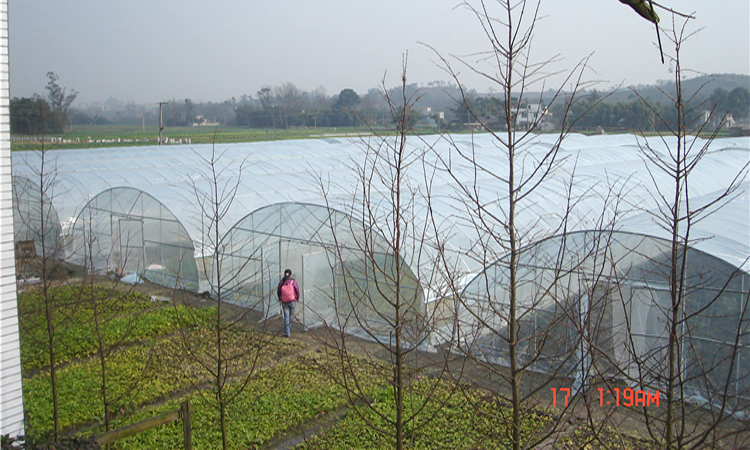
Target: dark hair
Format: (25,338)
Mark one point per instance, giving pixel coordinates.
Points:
(287,272)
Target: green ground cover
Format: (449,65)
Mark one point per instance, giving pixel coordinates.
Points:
(149,371)
(159,354)
(277,399)
(126,317)
(450,418)
(585,438)
(134,135)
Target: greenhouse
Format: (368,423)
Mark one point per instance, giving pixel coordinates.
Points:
(35,219)
(334,273)
(607,312)
(132,232)
(228,219)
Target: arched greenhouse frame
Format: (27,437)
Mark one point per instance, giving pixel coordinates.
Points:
(596,304)
(344,281)
(291,177)
(35,218)
(127,230)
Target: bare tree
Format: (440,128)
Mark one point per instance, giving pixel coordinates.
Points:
(267,101)
(291,100)
(112,324)
(319,98)
(383,266)
(705,316)
(59,101)
(222,354)
(36,219)
(511,321)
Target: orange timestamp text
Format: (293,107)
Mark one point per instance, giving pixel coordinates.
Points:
(617,397)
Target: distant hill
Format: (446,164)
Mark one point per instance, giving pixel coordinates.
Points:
(438,97)
(705,83)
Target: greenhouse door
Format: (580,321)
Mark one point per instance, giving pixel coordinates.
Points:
(318,291)
(267,272)
(131,245)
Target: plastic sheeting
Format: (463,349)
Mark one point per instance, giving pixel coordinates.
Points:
(346,277)
(313,204)
(594,170)
(126,230)
(597,304)
(35,218)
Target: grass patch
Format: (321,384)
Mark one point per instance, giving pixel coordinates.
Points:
(130,135)
(135,135)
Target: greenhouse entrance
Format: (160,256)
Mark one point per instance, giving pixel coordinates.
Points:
(342,285)
(318,290)
(129,233)
(311,267)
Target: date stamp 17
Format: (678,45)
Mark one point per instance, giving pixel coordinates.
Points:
(627,397)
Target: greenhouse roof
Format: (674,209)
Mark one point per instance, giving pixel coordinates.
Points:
(609,182)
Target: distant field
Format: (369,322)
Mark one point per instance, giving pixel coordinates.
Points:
(108,135)
(89,136)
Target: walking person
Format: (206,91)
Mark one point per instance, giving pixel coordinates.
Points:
(288,293)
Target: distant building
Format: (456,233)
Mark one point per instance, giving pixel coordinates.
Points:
(201,121)
(534,113)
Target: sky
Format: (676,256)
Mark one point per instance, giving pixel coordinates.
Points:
(146,51)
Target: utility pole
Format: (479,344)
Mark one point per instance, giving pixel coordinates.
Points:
(161,120)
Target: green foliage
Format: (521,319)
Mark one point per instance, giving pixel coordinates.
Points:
(585,438)
(347,99)
(149,361)
(30,116)
(38,115)
(736,102)
(454,419)
(134,135)
(661,113)
(156,363)
(130,317)
(191,355)
(137,376)
(276,400)
(79,389)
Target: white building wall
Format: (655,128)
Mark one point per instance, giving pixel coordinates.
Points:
(11,399)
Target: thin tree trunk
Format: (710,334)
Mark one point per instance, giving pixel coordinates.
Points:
(52,362)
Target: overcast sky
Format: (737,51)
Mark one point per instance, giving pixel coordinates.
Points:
(154,50)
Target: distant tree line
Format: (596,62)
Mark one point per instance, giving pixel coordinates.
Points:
(591,112)
(42,114)
(287,106)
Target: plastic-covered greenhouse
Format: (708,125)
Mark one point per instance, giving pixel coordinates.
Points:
(320,242)
(35,218)
(609,308)
(296,205)
(127,229)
